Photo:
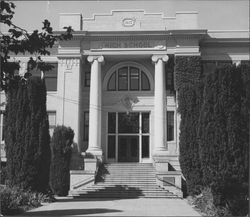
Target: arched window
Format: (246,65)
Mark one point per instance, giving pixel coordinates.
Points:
(128,78)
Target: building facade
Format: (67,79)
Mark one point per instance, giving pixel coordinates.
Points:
(113,83)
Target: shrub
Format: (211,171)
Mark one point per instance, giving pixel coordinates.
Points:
(204,202)
(27,135)
(14,200)
(61,156)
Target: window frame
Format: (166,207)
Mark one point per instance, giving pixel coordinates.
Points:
(85,126)
(174,126)
(87,79)
(129,77)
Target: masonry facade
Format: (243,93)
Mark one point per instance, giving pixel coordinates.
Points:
(113,84)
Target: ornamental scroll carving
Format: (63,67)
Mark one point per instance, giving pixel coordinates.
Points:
(69,63)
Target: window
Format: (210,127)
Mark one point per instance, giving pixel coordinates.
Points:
(128,78)
(170,125)
(211,65)
(50,76)
(2,121)
(87,79)
(134,78)
(169,73)
(123,78)
(86,126)
(52,121)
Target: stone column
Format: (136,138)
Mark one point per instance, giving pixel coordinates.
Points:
(95,107)
(160,105)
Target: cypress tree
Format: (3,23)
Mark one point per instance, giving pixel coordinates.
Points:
(223,138)
(61,156)
(189,87)
(28,151)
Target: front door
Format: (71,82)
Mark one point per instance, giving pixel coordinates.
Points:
(128,137)
(128,149)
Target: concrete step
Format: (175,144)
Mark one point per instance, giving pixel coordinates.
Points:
(124,180)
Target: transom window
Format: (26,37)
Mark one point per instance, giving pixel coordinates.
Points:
(128,78)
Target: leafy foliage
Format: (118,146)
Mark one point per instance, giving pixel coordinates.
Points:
(61,156)
(189,90)
(18,40)
(15,200)
(27,135)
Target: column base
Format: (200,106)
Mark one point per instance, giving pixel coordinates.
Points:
(94,153)
(161,160)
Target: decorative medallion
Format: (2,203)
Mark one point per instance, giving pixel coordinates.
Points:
(128,22)
(128,102)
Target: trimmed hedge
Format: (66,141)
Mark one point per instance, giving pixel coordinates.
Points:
(61,156)
(189,94)
(27,135)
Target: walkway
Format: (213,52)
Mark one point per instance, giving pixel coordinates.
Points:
(115,207)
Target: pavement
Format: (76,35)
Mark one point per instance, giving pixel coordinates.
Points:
(115,207)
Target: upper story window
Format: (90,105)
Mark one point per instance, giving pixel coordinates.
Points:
(128,78)
(50,76)
(211,65)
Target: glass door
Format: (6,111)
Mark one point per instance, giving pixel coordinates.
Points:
(128,137)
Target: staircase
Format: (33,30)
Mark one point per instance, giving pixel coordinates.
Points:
(124,180)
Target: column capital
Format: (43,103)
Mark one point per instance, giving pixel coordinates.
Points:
(156,58)
(92,58)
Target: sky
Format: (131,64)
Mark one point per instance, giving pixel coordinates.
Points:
(213,14)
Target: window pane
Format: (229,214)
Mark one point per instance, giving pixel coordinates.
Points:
(170,80)
(128,123)
(111,122)
(208,66)
(111,146)
(170,125)
(221,63)
(51,77)
(3,126)
(123,78)
(112,82)
(86,126)
(51,84)
(145,122)
(87,79)
(144,81)
(145,147)
(134,146)
(134,78)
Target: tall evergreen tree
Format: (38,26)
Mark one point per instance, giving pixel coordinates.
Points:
(189,90)
(28,150)
(223,138)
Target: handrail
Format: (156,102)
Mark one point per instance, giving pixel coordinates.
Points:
(84,182)
(167,182)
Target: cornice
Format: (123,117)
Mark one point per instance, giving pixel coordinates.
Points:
(224,42)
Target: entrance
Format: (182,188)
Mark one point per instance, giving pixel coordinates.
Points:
(128,149)
(128,137)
